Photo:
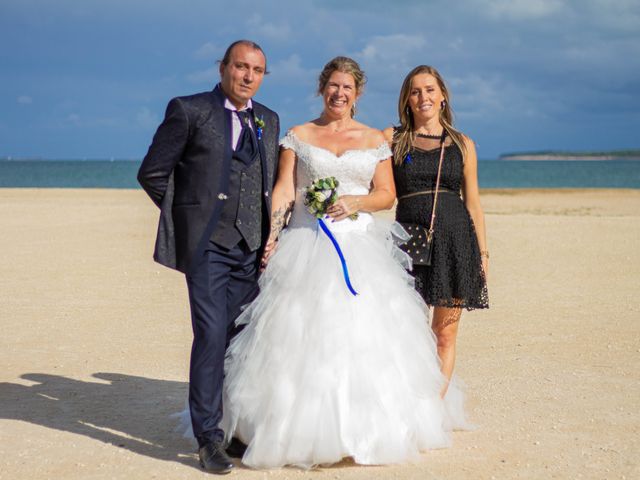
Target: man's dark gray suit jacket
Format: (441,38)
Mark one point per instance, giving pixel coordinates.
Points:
(186,172)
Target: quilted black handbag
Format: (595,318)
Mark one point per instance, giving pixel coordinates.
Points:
(420,246)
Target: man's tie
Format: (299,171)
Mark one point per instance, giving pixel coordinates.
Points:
(247,147)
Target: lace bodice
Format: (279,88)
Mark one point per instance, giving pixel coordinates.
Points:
(354,169)
(421,171)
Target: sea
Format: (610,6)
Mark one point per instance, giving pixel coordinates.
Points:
(491,174)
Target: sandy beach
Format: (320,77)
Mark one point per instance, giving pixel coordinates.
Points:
(95,344)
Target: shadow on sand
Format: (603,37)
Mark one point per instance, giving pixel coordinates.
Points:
(126,411)
(123,410)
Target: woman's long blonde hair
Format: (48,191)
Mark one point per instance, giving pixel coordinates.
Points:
(404,135)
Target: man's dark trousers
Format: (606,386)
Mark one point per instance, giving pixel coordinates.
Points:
(219,284)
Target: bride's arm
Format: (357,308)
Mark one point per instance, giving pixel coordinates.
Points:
(282,199)
(381,197)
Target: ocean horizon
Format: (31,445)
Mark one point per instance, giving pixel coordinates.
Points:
(38,173)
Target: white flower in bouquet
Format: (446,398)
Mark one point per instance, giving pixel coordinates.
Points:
(321,194)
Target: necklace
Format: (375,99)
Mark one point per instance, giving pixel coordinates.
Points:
(433,137)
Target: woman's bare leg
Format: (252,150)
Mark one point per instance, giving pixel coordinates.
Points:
(445,326)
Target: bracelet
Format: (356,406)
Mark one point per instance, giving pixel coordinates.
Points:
(484,253)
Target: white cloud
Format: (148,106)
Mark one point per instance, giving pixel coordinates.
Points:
(208,51)
(476,97)
(290,71)
(522,9)
(208,76)
(278,32)
(619,17)
(24,100)
(386,59)
(394,47)
(486,96)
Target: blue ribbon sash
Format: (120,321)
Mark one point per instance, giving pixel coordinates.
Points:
(345,270)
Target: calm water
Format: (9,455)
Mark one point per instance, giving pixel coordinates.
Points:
(492,174)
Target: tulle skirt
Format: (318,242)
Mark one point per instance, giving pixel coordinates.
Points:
(319,374)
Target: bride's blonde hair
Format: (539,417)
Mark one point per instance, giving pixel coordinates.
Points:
(344,65)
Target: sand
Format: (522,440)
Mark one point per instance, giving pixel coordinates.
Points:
(95,343)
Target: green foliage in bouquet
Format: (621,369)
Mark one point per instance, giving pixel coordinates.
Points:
(320,195)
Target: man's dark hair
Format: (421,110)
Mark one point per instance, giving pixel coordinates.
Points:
(248,43)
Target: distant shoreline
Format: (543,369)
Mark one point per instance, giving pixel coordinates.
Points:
(564,157)
(582,156)
(491,174)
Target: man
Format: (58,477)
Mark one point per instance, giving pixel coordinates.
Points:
(210,168)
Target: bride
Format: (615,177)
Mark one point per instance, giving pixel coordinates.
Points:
(320,374)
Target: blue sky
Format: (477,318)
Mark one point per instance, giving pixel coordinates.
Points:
(91,78)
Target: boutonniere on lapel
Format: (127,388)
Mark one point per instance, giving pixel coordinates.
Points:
(259,126)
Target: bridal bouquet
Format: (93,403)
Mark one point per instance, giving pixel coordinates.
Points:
(321,194)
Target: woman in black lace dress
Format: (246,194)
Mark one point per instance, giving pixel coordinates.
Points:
(456,279)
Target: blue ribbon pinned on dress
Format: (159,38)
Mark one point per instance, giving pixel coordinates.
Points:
(345,271)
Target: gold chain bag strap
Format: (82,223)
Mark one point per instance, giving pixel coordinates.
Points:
(420,246)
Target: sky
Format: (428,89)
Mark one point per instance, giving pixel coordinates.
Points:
(91,78)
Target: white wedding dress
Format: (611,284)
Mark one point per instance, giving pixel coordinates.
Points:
(319,374)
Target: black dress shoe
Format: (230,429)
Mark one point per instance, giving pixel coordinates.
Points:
(236,448)
(214,459)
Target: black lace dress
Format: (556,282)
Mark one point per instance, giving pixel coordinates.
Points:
(455,277)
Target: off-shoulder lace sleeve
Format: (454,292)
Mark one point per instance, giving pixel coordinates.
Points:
(382,152)
(290,141)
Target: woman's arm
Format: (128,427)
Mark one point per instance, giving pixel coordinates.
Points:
(381,197)
(471,196)
(282,199)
